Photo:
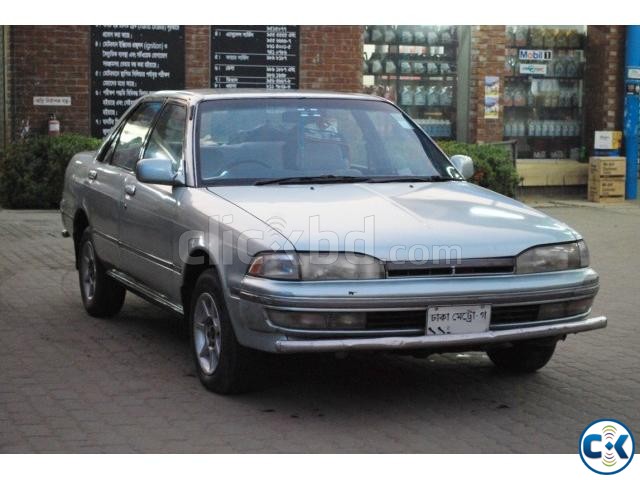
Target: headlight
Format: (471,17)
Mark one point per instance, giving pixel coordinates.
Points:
(316,266)
(551,258)
(339,266)
(279,266)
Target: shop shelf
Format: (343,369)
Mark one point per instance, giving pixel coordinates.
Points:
(538,77)
(530,47)
(557,108)
(432,78)
(546,137)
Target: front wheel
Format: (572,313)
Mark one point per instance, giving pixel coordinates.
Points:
(523,357)
(223,365)
(102,296)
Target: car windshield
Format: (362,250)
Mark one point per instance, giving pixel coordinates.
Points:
(265,141)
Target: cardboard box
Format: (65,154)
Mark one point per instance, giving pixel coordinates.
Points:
(607,140)
(597,199)
(606,189)
(594,176)
(607,166)
(552,172)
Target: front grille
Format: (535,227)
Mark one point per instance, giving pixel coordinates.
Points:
(469,266)
(514,314)
(420,272)
(500,315)
(396,320)
(413,319)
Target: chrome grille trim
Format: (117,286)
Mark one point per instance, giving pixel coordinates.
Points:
(462,267)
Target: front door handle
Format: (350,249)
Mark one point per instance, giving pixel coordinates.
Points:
(93,174)
(130,189)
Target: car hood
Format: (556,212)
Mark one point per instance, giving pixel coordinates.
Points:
(399,221)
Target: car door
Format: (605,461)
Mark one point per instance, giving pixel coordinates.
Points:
(147,223)
(105,178)
(119,159)
(104,195)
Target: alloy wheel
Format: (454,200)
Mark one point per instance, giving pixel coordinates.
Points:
(207,333)
(88,270)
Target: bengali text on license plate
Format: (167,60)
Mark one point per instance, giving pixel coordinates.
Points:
(446,320)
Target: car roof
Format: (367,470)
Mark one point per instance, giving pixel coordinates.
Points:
(228,93)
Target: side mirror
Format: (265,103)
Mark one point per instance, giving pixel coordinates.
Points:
(464,165)
(156,170)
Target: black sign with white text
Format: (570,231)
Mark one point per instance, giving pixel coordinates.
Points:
(129,61)
(255,56)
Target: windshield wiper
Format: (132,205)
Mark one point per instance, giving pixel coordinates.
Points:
(352,179)
(400,178)
(312,179)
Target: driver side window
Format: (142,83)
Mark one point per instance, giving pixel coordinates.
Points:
(167,137)
(127,150)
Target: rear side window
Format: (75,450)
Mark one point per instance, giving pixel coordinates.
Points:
(127,149)
(167,139)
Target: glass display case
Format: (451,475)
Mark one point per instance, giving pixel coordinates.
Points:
(416,67)
(543,96)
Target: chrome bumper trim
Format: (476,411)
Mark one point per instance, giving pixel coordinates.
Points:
(440,341)
(418,302)
(418,292)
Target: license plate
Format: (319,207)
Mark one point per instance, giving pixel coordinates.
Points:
(447,320)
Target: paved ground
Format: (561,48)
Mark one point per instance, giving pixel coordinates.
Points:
(71,383)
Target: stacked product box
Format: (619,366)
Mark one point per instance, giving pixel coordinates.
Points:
(606,179)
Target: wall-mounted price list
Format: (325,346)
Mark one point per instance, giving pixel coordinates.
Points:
(129,61)
(255,56)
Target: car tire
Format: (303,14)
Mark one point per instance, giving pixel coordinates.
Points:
(223,365)
(102,296)
(523,357)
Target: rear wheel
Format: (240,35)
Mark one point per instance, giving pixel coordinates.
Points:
(523,357)
(102,296)
(223,365)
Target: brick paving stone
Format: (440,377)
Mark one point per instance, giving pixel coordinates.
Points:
(72,383)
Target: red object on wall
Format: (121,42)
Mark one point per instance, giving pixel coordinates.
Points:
(54,126)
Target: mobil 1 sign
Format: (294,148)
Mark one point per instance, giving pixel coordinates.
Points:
(129,61)
(536,55)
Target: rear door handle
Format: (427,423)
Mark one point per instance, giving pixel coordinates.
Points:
(130,189)
(93,174)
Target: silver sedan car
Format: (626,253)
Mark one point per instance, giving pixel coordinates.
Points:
(315,222)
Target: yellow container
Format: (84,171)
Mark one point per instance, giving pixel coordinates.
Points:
(607,166)
(606,189)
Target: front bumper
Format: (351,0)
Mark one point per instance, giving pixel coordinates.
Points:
(441,342)
(257,296)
